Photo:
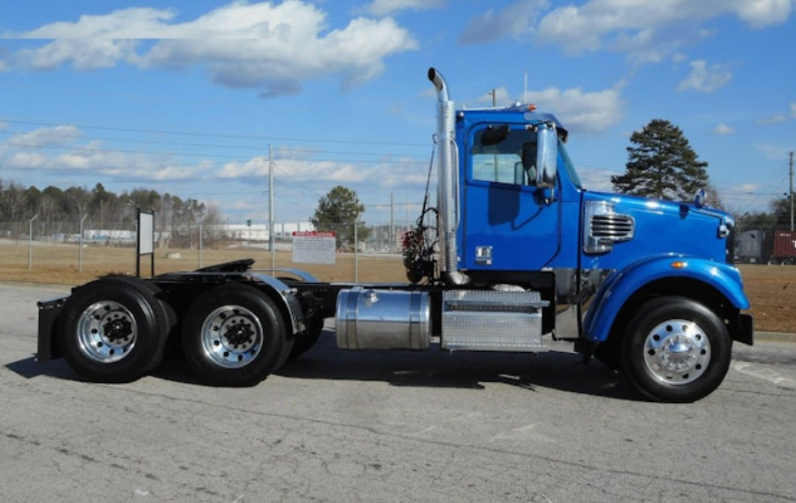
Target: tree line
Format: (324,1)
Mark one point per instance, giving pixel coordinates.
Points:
(101,209)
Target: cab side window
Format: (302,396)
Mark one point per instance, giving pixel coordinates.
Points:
(508,158)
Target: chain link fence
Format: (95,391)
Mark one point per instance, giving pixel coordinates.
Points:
(41,244)
(769,244)
(754,244)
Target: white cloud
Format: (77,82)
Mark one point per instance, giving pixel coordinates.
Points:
(584,112)
(45,137)
(263,45)
(510,21)
(747,187)
(781,117)
(705,79)
(772,152)
(679,58)
(394,174)
(723,129)
(256,166)
(62,149)
(648,29)
(773,119)
(387,7)
(25,160)
(82,54)
(596,179)
(760,13)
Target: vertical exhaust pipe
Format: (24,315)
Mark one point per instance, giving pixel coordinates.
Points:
(447,186)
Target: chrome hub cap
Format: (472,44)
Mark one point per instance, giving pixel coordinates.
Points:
(232,336)
(106,332)
(677,352)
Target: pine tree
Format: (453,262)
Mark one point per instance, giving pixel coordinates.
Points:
(662,165)
(337,212)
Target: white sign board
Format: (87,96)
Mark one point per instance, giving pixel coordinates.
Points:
(311,247)
(146,233)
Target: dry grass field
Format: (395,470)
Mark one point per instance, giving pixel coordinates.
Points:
(771,289)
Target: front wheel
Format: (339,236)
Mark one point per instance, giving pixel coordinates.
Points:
(676,350)
(234,335)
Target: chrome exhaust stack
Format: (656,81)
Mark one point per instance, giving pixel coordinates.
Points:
(448,183)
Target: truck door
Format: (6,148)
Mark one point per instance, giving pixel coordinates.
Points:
(508,225)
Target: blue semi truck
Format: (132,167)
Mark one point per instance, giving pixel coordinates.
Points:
(516,252)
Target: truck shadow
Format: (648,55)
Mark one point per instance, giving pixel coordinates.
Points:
(555,369)
(29,368)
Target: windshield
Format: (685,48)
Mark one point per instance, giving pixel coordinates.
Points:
(573,175)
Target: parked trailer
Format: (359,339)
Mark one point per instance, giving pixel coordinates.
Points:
(784,247)
(520,252)
(749,246)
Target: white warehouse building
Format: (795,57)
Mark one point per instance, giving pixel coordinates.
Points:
(259,232)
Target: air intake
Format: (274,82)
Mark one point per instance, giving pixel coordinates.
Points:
(604,227)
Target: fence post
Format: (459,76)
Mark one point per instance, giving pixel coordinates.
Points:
(80,244)
(30,241)
(201,245)
(356,252)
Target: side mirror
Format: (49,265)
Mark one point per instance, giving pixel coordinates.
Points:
(546,155)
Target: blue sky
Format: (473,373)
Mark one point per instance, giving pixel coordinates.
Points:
(186,97)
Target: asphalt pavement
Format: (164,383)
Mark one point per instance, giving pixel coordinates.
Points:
(347,426)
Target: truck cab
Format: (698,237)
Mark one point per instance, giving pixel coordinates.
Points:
(642,284)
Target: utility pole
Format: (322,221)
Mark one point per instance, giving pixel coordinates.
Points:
(271,207)
(392,222)
(791,190)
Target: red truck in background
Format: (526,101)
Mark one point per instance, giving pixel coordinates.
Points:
(784,247)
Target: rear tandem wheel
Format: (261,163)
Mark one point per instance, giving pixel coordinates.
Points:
(234,335)
(114,329)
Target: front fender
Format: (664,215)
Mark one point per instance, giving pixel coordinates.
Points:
(622,285)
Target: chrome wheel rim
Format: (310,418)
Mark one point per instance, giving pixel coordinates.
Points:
(232,336)
(677,352)
(106,332)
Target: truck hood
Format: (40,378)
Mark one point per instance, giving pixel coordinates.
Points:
(657,226)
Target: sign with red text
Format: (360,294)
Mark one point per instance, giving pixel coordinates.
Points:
(314,247)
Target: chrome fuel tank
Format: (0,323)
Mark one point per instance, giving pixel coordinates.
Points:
(382,319)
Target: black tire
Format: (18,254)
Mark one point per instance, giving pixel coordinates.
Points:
(172,321)
(307,339)
(114,329)
(676,350)
(234,335)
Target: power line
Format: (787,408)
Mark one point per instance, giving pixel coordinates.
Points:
(218,135)
(257,148)
(380,160)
